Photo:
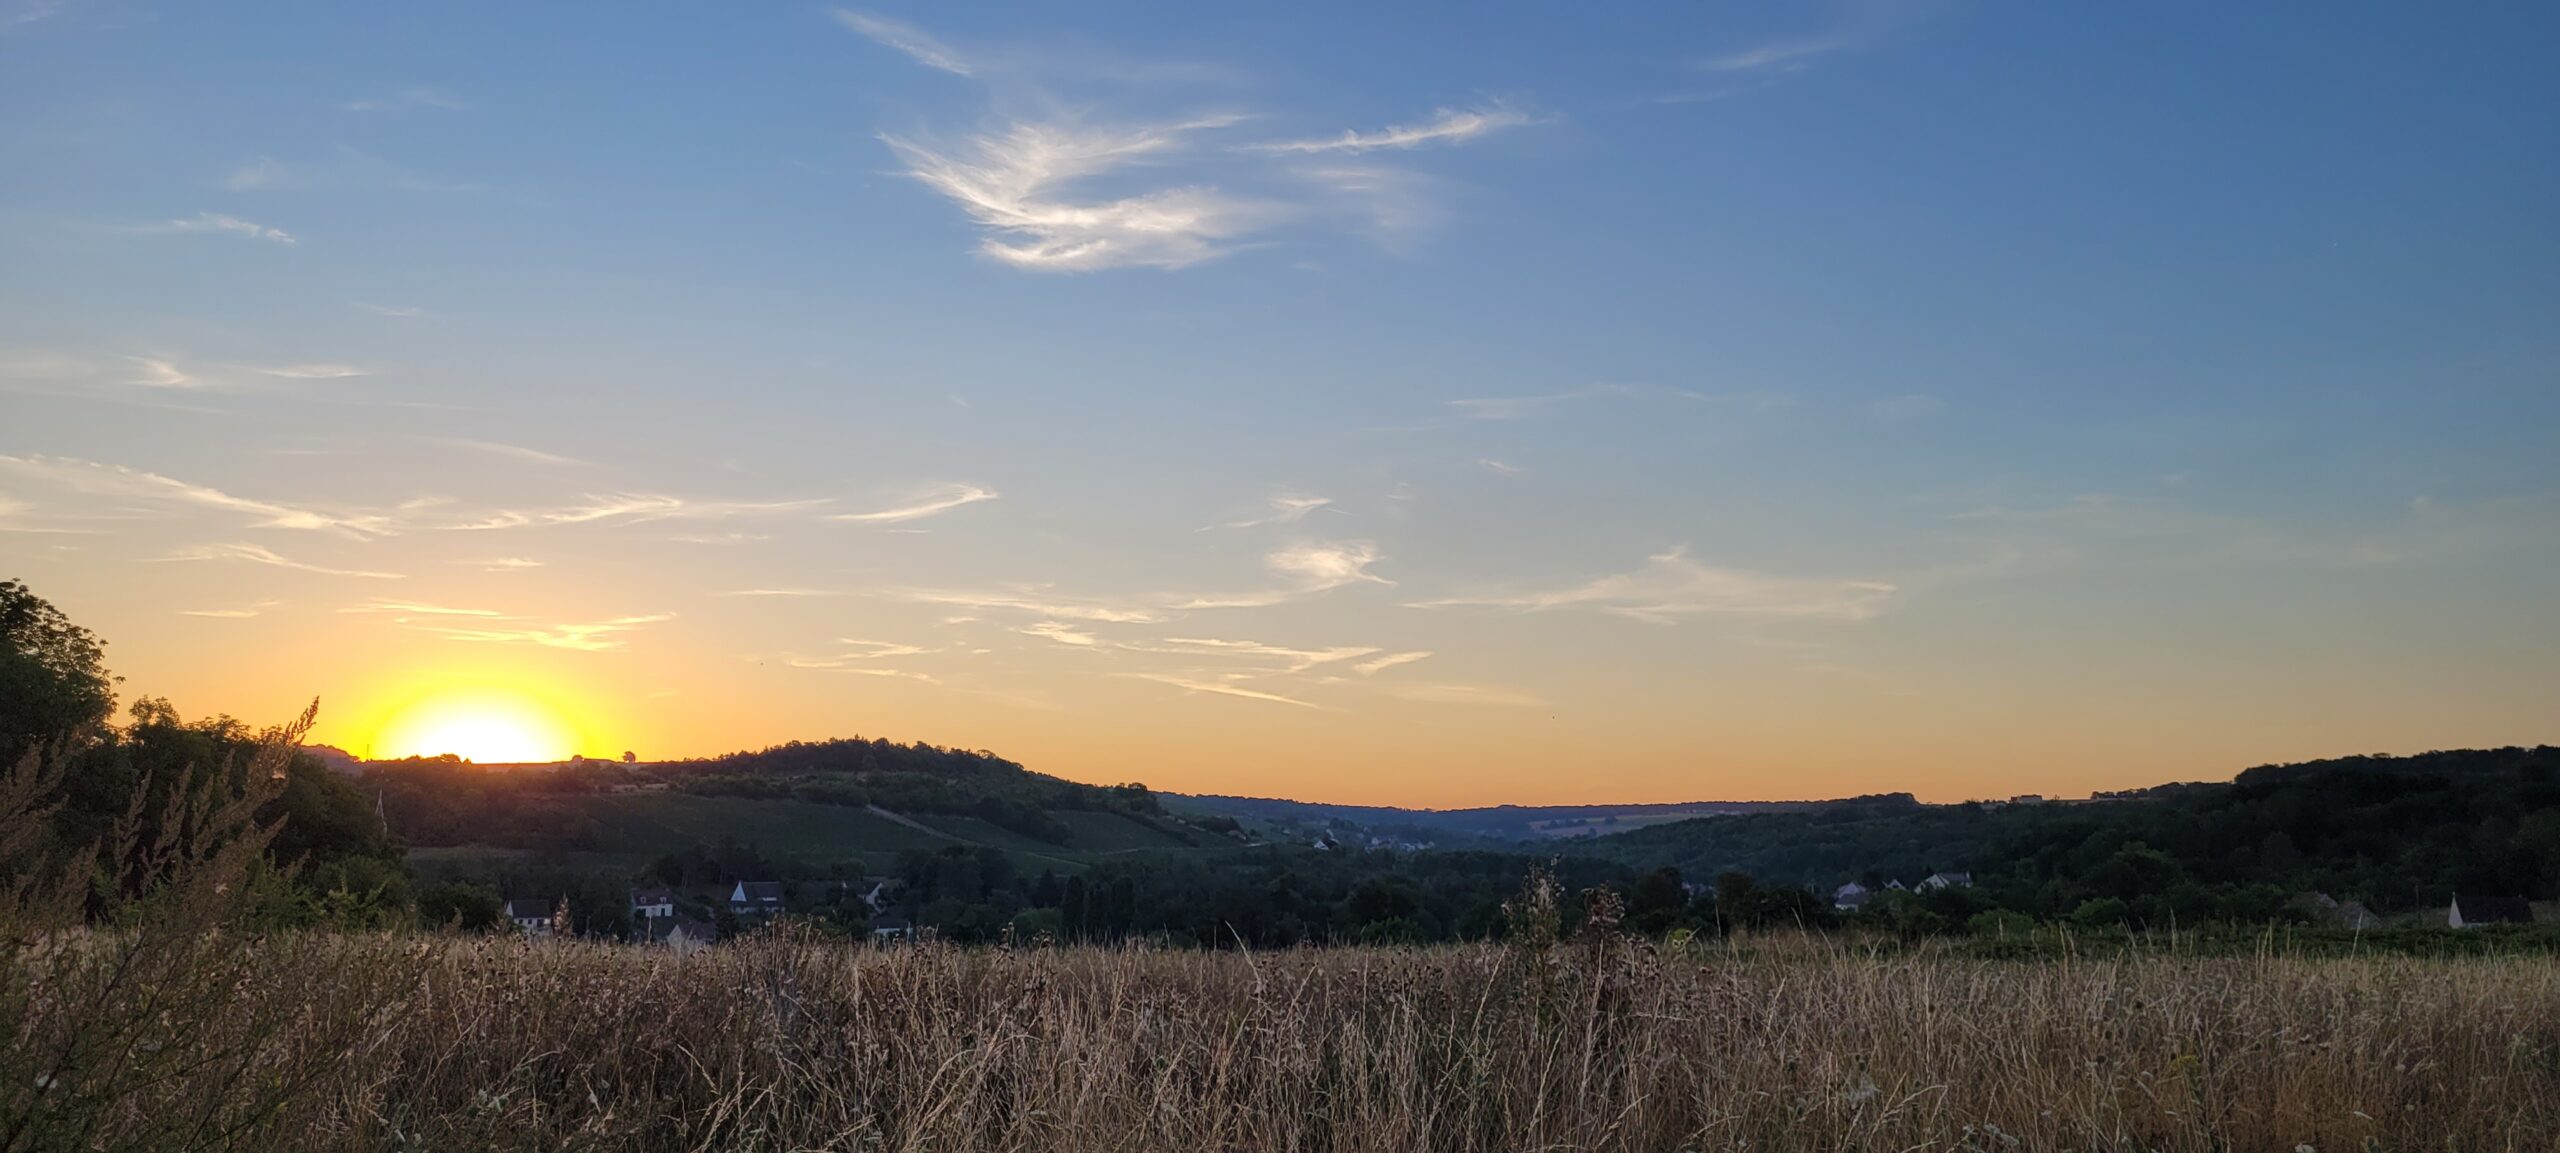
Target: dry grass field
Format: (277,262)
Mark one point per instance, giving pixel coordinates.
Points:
(339,1042)
(171,1027)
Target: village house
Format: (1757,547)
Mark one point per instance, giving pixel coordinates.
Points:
(888,929)
(1936,881)
(647,904)
(2471,910)
(756,898)
(531,915)
(682,934)
(2328,910)
(1851,897)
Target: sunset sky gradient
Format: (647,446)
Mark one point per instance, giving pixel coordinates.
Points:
(1544,404)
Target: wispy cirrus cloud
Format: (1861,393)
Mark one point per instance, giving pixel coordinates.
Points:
(596,637)
(503,563)
(932,503)
(115,481)
(1776,55)
(260,554)
(1287,661)
(215,222)
(237,613)
(1446,126)
(94,479)
(1033,186)
(631,508)
(1310,568)
(1061,632)
(1286,508)
(316,371)
(1370,668)
(419,608)
(1037,601)
(1524,407)
(1221,688)
(513,452)
(906,38)
(157,373)
(1021,187)
(1672,586)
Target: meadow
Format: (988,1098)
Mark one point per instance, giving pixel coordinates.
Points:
(320,1041)
(142,1007)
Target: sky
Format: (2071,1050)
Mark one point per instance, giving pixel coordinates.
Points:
(1429,406)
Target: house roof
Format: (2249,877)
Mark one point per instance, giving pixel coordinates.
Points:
(761,892)
(661,928)
(2479,909)
(653,896)
(526,908)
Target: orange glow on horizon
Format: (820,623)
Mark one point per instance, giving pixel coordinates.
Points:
(483,724)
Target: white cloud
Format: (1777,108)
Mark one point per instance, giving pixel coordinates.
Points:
(515,452)
(241,613)
(414,608)
(1020,187)
(1523,407)
(780,592)
(1671,586)
(1391,660)
(918,46)
(113,481)
(1286,508)
(260,554)
(1328,565)
(1447,126)
(1035,602)
(632,508)
(1061,632)
(598,637)
(1291,661)
(504,563)
(1310,568)
(317,371)
(19,13)
(924,505)
(217,222)
(858,651)
(1221,688)
(1777,56)
(161,374)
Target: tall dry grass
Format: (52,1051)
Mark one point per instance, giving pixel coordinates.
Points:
(172,1030)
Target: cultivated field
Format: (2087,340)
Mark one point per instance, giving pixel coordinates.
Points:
(389,1042)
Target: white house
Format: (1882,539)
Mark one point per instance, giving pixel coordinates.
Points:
(756,898)
(1936,881)
(1851,897)
(2471,910)
(650,904)
(532,916)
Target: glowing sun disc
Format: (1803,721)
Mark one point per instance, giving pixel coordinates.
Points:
(487,726)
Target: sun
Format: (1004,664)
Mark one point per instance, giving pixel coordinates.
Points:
(484,725)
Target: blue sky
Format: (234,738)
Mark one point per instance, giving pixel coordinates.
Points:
(1730,400)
